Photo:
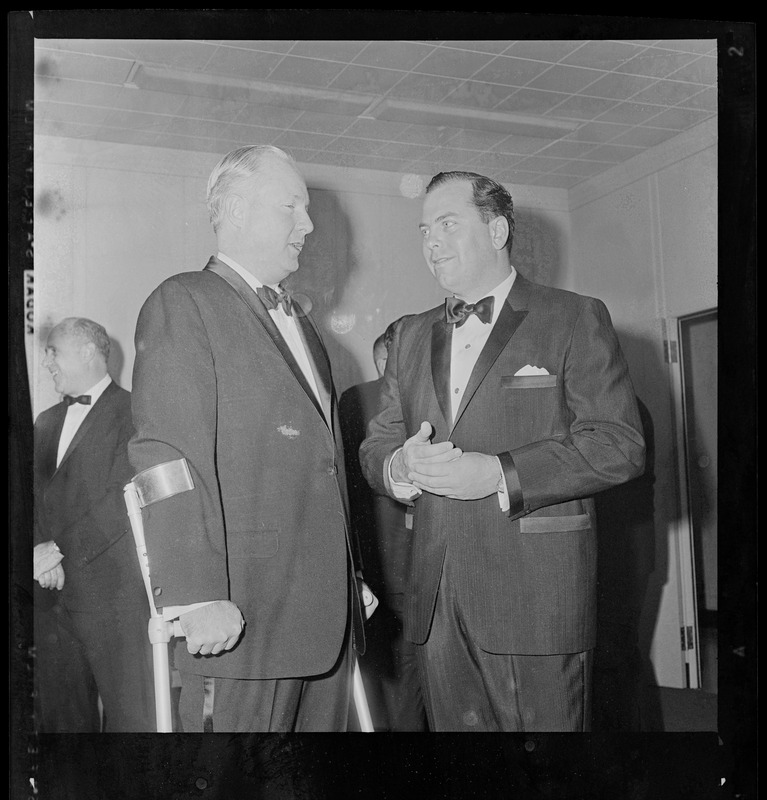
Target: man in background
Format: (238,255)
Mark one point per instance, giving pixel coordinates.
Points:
(91,609)
(255,560)
(381,525)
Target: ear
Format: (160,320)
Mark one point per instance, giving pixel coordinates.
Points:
(234,209)
(88,352)
(499,232)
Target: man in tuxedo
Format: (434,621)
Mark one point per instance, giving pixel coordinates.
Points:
(256,560)
(91,625)
(381,526)
(503,411)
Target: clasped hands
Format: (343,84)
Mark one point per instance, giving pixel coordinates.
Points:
(47,569)
(443,469)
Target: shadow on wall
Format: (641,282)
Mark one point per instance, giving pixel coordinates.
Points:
(537,249)
(327,264)
(629,586)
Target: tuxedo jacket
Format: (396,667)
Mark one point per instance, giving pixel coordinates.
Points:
(525,579)
(80,505)
(266,523)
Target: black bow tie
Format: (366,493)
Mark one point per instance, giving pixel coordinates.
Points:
(272,299)
(85,399)
(457,311)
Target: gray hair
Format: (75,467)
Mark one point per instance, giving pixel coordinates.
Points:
(244,162)
(88,330)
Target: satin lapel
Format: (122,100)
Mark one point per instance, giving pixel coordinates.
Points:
(91,418)
(51,447)
(251,299)
(441,338)
(507,323)
(318,359)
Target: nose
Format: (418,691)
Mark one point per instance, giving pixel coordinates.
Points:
(306,224)
(46,360)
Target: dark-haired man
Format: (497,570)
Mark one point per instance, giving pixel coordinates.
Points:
(502,413)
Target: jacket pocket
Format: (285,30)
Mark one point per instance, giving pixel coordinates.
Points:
(574,522)
(255,544)
(528,381)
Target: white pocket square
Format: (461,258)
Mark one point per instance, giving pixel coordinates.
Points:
(530,370)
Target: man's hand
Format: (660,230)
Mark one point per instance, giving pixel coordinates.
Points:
(418,452)
(45,557)
(469,477)
(53,578)
(212,628)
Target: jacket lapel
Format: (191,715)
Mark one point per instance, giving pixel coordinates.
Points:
(441,337)
(513,312)
(89,421)
(318,359)
(51,446)
(251,299)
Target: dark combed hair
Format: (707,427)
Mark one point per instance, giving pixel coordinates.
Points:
(490,198)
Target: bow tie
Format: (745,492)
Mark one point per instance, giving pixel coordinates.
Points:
(85,399)
(272,299)
(457,311)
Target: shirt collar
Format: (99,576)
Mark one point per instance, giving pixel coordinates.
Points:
(97,390)
(500,293)
(248,277)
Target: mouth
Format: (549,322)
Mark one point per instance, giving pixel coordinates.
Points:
(298,246)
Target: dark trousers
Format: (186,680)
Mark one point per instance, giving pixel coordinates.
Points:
(313,704)
(468,689)
(83,655)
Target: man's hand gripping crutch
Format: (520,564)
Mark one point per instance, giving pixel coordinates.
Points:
(209,628)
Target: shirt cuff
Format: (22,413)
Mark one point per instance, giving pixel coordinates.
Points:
(400,490)
(169,613)
(503,492)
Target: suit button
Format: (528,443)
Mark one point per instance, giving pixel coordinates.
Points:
(157,591)
(333,470)
(201,783)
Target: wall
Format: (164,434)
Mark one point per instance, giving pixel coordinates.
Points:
(644,239)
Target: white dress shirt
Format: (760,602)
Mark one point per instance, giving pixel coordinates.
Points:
(76,413)
(465,348)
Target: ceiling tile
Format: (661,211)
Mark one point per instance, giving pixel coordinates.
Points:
(558,181)
(368,80)
(602,54)
(476,140)
(531,101)
(374,162)
(666,93)
(195,143)
(377,129)
(552,51)
(584,169)
(579,106)
(210,108)
(521,144)
(655,63)
(308,141)
(342,50)
(267,45)
(478,95)
(253,134)
(115,48)
(617,86)
(494,163)
(193,55)
(145,138)
(479,46)
(703,70)
(322,123)
(426,88)
(644,137)
(393,55)
(680,118)
(450,157)
(406,152)
(71,130)
(613,152)
(308,71)
(268,116)
(51,66)
(183,126)
(145,100)
(237,63)
(519,177)
(565,79)
(541,164)
(427,134)
(137,121)
(597,132)
(630,113)
(453,63)
(68,112)
(567,149)
(689,45)
(707,100)
(511,71)
(346,144)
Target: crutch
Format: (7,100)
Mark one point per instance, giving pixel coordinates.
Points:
(151,485)
(158,483)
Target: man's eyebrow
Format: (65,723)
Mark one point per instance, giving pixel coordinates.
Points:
(439,218)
